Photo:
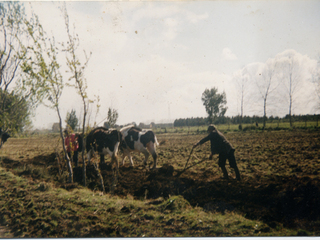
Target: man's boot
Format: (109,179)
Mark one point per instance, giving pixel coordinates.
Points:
(225,173)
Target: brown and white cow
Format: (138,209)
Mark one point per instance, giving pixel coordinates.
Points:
(139,140)
(104,141)
(3,137)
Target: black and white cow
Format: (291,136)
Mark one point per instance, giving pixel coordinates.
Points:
(3,137)
(104,141)
(139,140)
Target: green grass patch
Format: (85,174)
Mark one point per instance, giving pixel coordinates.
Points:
(83,213)
(280,182)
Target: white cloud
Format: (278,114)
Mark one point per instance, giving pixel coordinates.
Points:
(195,18)
(228,55)
(147,54)
(171,28)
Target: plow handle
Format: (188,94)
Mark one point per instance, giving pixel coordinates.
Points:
(188,158)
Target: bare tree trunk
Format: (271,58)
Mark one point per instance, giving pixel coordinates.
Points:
(291,89)
(84,170)
(240,125)
(58,161)
(100,176)
(264,112)
(290,107)
(98,171)
(64,149)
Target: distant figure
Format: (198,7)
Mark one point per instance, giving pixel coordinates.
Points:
(220,145)
(72,146)
(257,125)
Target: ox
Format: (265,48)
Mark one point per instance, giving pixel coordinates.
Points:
(139,140)
(104,141)
(3,137)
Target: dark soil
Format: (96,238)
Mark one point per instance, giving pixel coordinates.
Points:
(291,200)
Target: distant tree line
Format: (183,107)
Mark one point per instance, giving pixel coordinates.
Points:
(201,121)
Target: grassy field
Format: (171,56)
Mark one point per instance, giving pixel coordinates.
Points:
(278,195)
(275,125)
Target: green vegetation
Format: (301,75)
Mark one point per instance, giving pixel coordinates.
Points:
(278,194)
(271,125)
(215,103)
(251,120)
(111,118)
(32,210)
(72,120)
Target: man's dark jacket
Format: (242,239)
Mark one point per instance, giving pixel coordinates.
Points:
(219,144)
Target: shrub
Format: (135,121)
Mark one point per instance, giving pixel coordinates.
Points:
(175,204)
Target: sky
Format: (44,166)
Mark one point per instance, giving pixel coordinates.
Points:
(152,60)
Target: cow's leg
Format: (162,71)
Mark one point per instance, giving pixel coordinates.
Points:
(75,158)
(130,158)
(114,158)
(101,158)
(114,154)
(151,148)
(89,156)
(146,155)
(127,153)
(123,157)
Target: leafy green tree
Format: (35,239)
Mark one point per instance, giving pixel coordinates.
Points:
(76,69)
(42,70)
(112,117)
(14,111)
(72,120)
(215,103)
(77,78)
(15,105)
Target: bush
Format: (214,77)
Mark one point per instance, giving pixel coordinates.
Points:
(248,128)
(175,204)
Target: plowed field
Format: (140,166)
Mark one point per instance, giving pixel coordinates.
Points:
(279,170)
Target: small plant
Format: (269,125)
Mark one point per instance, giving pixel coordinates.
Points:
(175,204)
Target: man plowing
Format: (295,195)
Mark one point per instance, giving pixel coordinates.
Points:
(221,146)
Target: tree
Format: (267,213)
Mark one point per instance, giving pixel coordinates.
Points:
(242,78)
(15,105)
(76,69)
(293,74)
(15,114)
(215,103)
(42,70)
(72,120)
(112,117)
(265,80)
(12,18)
(316,82)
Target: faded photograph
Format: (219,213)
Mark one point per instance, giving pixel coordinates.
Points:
(159,119)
